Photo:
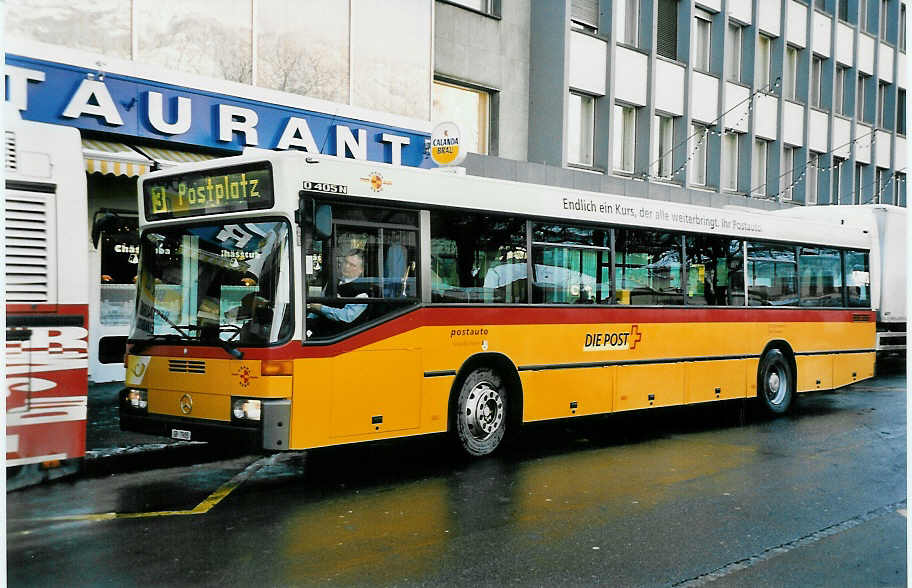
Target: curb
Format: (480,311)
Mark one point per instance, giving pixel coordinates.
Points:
(118,460)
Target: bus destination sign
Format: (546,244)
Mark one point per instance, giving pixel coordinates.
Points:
(209,192)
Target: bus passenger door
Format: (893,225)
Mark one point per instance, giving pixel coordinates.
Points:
(376,392)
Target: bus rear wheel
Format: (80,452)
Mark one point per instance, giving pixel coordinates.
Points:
(775,382)
(481,412)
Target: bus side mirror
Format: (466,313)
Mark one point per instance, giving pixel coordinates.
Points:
(323,220)
(319,215)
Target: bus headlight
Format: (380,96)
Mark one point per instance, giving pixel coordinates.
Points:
(246,409)
(136,398)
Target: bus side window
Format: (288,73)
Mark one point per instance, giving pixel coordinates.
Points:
(478,258)
(772,276)
(713,271)
(858,280)
(399,263)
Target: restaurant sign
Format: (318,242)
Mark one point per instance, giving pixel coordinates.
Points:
(115,104)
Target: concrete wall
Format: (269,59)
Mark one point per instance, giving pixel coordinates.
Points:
(492,53)
(549,175)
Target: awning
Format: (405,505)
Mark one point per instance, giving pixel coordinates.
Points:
(169,157)
(119,159)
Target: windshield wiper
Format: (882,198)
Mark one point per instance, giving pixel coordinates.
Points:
(174,325)
(142,344)
(226,345)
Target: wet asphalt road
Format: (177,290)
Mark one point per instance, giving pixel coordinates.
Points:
(690,496)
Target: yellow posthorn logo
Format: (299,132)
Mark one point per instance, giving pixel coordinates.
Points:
(376,181)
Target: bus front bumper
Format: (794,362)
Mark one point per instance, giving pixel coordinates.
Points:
(270,432)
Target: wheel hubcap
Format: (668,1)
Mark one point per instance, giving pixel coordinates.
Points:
(484,410)
(776,385)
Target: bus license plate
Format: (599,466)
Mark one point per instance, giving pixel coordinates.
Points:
(180,434)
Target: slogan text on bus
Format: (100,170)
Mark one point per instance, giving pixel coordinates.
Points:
(657,213)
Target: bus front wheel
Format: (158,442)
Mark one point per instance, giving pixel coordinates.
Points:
(481,412)
(775,382)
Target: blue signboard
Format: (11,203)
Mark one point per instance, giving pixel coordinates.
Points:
(131,107)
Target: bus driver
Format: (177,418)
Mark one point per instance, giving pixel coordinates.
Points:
(350,286)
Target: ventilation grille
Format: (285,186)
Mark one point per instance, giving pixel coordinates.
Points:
(11,160)
(861,318)
(186,366)
(26,240)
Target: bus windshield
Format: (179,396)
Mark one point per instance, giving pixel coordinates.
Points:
(217,283)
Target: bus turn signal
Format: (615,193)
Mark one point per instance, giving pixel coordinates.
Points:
(276,367)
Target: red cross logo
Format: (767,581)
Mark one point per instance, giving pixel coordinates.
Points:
(635,336)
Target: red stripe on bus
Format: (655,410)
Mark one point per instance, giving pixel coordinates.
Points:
(474,316)
(82,309)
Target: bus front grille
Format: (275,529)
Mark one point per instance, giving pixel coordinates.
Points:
(186,366)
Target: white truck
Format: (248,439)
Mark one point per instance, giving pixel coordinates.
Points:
(888,263)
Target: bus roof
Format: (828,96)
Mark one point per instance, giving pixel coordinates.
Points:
(445,188)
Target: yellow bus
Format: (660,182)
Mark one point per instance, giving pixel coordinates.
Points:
(295,302)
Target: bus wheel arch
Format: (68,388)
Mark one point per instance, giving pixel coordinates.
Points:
(491,378)
(777,378)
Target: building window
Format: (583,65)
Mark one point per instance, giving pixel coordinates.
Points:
(842,10)
(628,20)
(582,27)
(816,75)
(580,129)
(479,5)
(863,15)
(106,29)
(859,174)
(163,36)
(667,29)
(624,137)
(900,189)
(820,5)
(701,36)
(860,97)
(584,15)
(403,55)
(698,155)
(902,28)
(840,89)
(758,168)
(664,145)
(468,108)
(790,73)
(810,185)
(901,111)
(880,185)
(788,172)
(837,178)
(303,49)
(730,161)
(763,62)
(733,53)
(882,105)
(884,8)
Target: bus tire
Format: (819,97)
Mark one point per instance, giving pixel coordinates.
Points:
(480,418)
(775,382)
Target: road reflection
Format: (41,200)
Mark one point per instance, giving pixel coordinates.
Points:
(396,512)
